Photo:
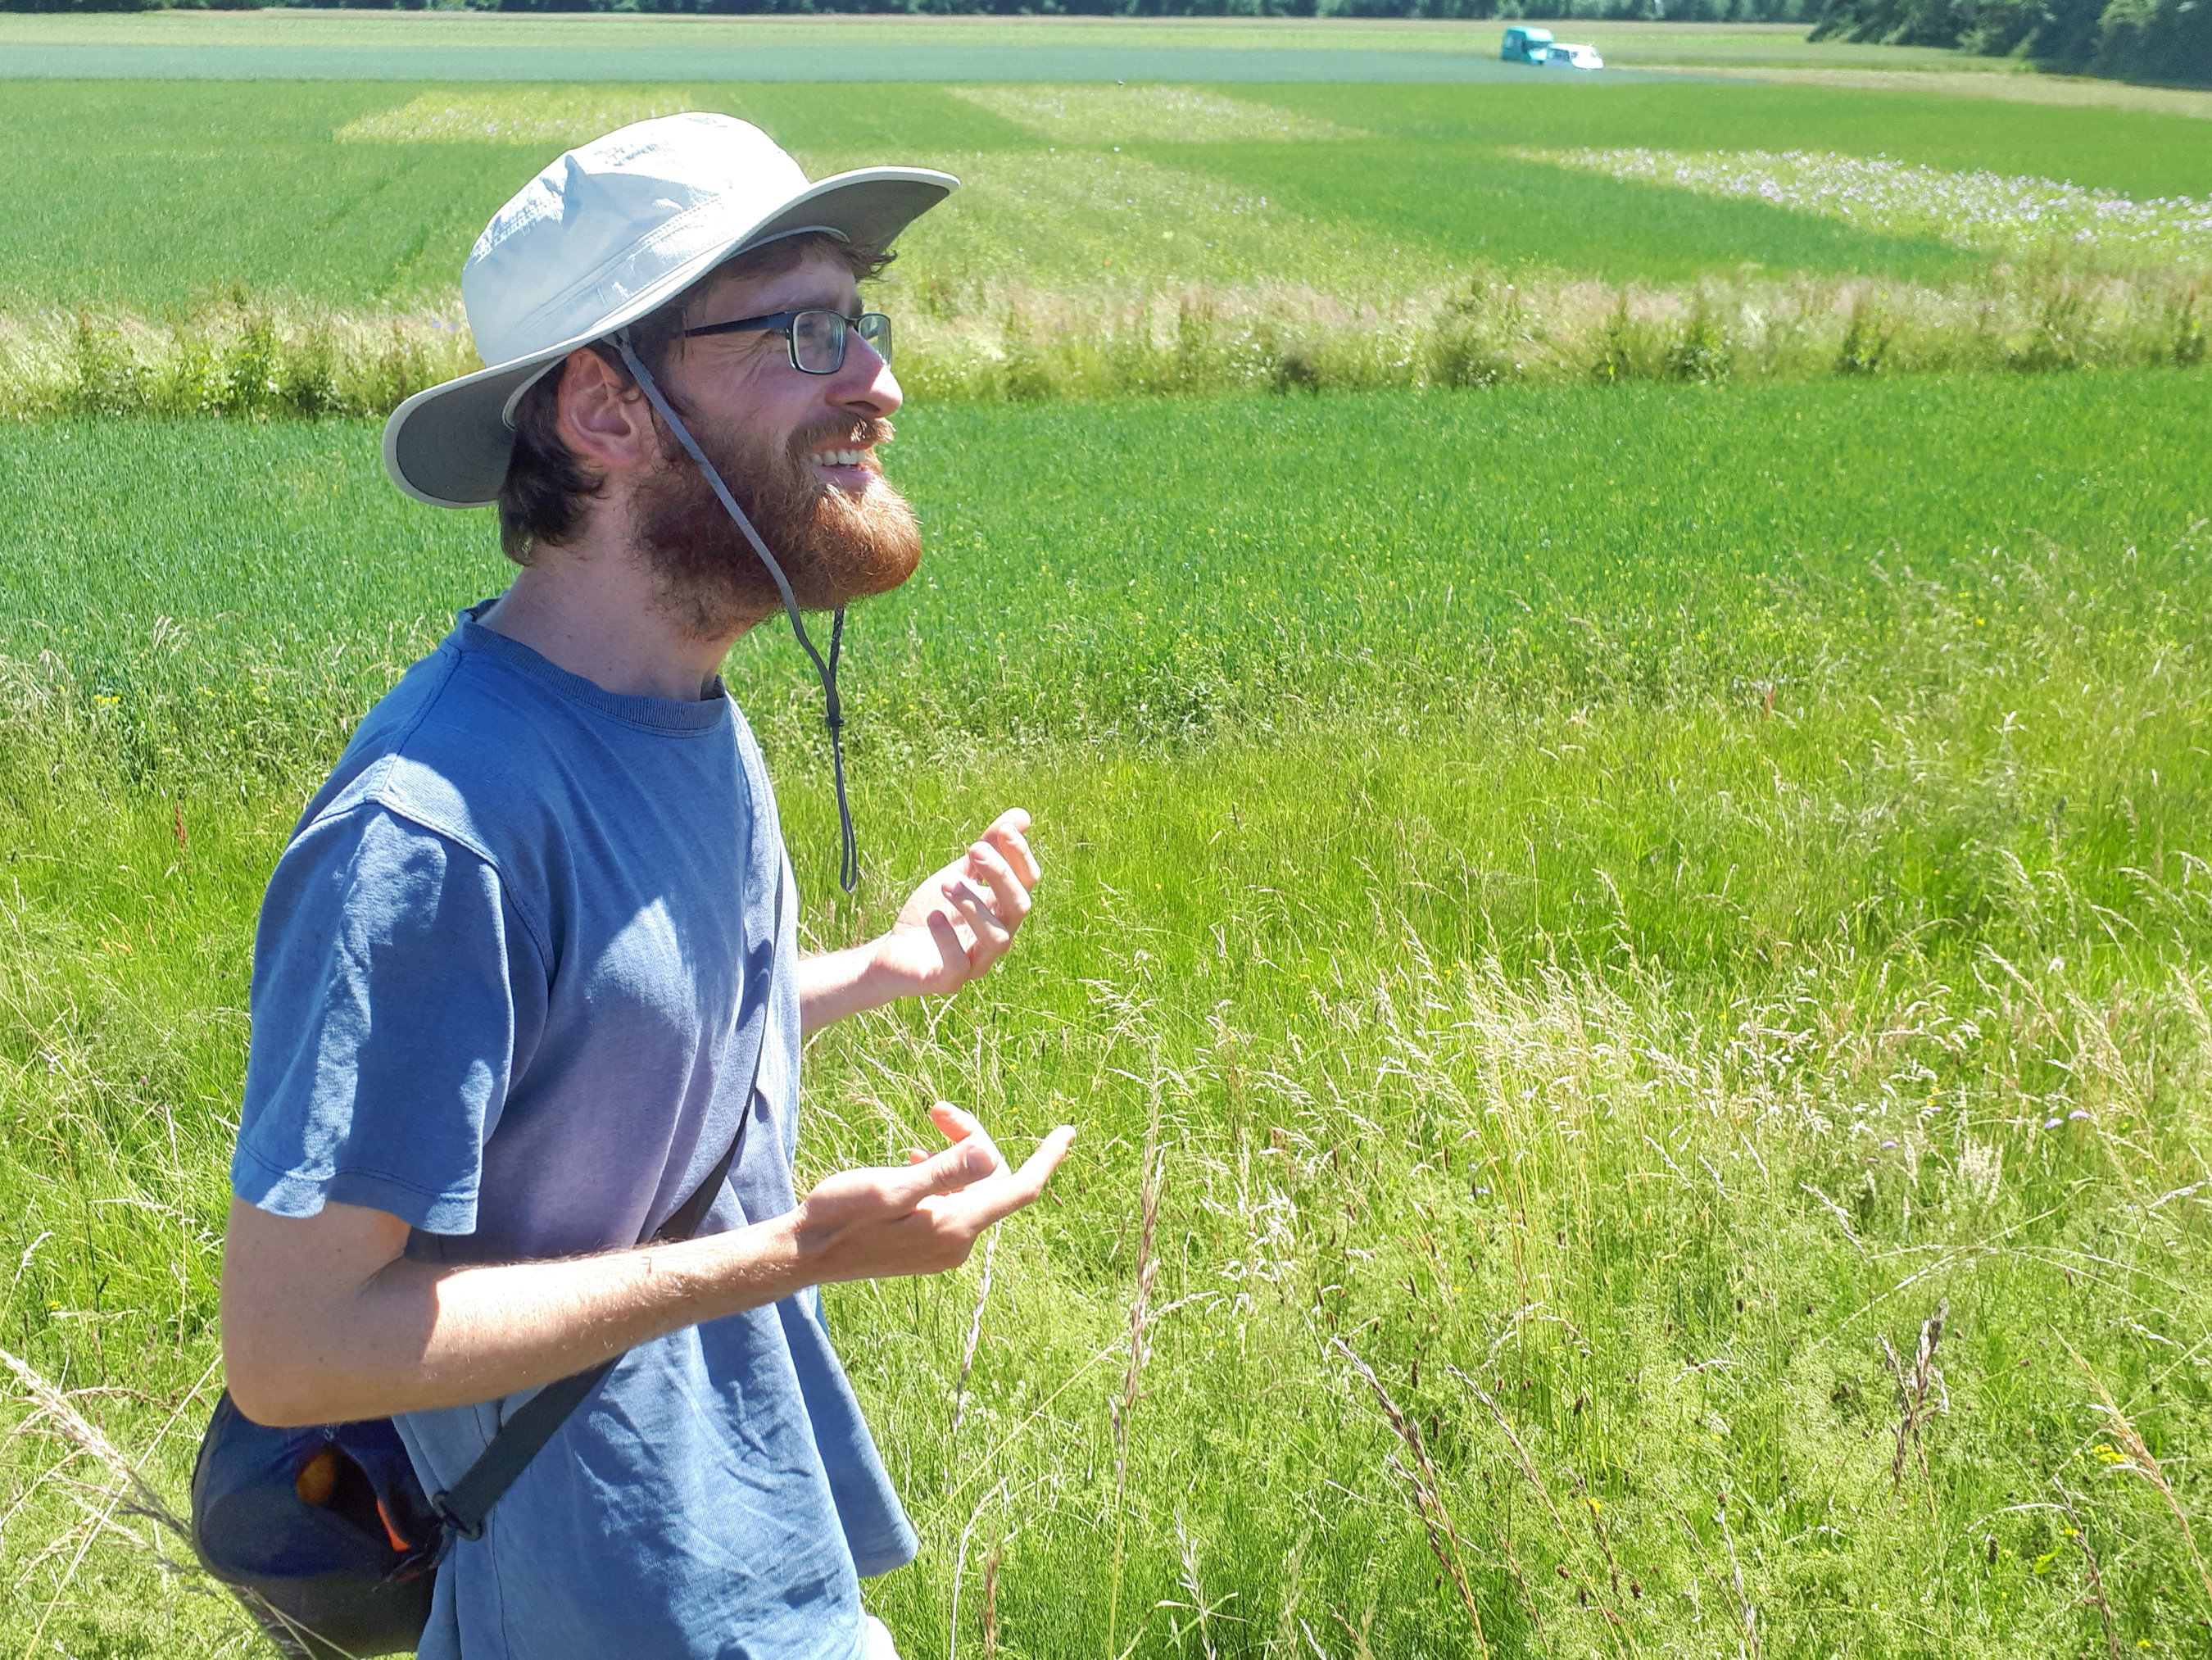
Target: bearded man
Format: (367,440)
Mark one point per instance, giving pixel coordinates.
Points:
(526,987)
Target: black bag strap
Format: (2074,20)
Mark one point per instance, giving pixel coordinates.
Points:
(463,1507)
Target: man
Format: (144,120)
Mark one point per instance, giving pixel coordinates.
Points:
(529,962)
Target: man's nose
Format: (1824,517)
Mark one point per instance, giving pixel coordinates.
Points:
(866,385)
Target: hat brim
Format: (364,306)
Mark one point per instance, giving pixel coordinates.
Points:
(448,446)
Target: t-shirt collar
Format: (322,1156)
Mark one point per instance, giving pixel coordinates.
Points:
(667,713)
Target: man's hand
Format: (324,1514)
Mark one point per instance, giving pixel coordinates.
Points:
(960,922)
(954,929)
(879,1223)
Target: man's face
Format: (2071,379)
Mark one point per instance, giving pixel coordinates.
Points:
(797,450)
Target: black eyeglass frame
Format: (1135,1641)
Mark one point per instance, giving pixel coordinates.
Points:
(786,323)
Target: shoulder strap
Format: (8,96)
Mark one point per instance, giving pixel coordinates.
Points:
(463,1507)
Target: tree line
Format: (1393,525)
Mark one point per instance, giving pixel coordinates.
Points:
(2155,40)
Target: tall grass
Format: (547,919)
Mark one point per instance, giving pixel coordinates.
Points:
(1621,1235)
(1518,1129)
(220,601)
(226,355)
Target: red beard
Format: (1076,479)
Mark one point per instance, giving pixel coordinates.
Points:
(834,547)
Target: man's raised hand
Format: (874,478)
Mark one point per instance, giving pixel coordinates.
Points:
(880,1224)
(959,922)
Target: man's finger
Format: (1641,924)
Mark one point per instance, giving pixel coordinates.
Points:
(992,1201)
(960,1166)
(993,935)
(1008,837)
(1036,1169)
(945,928)
(1010,895)
(961,1127)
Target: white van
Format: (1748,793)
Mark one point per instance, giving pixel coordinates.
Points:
(1566,55)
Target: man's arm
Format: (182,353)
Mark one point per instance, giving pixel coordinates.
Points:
(957,925)
(325,1321)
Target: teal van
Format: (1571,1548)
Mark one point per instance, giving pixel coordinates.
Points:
(1526,46)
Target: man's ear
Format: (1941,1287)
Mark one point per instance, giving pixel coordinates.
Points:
(604,419)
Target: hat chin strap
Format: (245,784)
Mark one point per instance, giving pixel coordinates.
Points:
(833,716)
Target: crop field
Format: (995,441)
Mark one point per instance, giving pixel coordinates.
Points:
(1620,757)
(294,245)
(369,194)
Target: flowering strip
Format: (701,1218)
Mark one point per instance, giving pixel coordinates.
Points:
(1989,212)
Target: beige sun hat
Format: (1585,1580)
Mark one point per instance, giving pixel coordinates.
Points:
(609,233)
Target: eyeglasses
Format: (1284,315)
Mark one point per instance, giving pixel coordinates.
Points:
(817,338)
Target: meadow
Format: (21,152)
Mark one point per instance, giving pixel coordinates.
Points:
(1584,929)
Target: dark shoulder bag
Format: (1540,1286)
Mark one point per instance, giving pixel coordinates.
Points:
(328,1528)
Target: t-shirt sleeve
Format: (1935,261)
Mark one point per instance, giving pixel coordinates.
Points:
(394,987)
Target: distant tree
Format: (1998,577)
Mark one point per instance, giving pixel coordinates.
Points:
(2155,40)
(2161,40)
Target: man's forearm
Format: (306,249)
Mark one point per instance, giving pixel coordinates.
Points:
(416,1335)
(833,984)
(324,1319)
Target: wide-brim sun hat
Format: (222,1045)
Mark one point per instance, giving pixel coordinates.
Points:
(608,234)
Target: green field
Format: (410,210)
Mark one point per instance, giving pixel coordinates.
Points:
(1603,890)
(1187,573)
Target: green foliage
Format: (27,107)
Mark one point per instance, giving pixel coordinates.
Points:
(2167,41)
(1607,903)
(1867,339)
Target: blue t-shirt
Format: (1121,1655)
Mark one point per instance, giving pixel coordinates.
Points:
(511,974)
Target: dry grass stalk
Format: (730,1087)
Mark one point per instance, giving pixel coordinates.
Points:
(960,1561)
(2144,1463)
(1913,1391)
(127,1493)
(1200,1607)
(991,1600)
(1420,1482)
(968,1348)
(1598,1527)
